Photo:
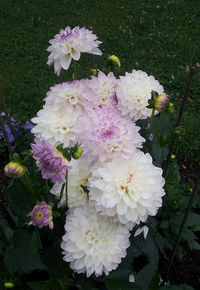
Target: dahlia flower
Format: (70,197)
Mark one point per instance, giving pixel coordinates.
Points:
(67,95)
(41,215)
(133,92)
(104,134)
(57,127)
(130,189)
(77,180)
(93,243)
(68,44)
(50,161)
(101,90)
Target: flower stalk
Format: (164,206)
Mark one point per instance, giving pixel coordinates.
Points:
(151,123)
(158,126)
(75,72)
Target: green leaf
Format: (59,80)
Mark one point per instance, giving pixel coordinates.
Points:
(120,285)
(43,285)
(54,261)
(148,248)
(154,285)
(20,201)
(119,274)
(173,174)
(159,153)
(20,258)
(8,232)
(175,287)
(35,240)
(145,276)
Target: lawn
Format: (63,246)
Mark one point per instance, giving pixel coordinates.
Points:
(159,37)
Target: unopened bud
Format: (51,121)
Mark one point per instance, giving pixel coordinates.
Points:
(77,153)
(94,72)
(161,102)
(9,284)
(113,60)
(14,169)
(170,108)
(173,156)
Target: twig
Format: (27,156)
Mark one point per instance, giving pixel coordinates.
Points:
(187,212)
(178,121)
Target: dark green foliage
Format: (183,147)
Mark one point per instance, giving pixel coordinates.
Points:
(20,258)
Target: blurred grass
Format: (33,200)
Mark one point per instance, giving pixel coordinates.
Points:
(159,37)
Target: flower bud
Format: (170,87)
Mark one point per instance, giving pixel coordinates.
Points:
(41,216)
(161,102)
(173,156)
(170,108)
(113,60)
(77,152)
(9,284)
(94,72)
(14,169)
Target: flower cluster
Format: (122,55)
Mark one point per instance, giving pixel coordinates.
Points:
(114,185)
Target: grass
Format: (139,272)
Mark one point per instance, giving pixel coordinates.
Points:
(159,37)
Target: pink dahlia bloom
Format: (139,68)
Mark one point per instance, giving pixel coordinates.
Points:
(41,216)
(101,90)
(50,161)
(68,44)
(104,134)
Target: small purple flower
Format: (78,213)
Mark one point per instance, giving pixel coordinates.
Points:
(50,161)
(147,127)
(28,126)
(151,137)
(41,216)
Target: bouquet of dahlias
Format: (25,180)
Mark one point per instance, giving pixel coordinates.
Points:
(97,166)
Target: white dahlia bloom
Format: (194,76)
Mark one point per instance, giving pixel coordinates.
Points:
(67,95)
(77,181)
(101,90)
(57,127)
(93,243)
(68,44)
(133,92)
(104,134)
(131,189)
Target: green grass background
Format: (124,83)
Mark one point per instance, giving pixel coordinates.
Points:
(159,37)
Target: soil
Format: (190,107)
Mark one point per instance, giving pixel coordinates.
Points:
(184,271)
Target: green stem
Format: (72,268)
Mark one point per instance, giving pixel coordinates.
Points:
(75,73)
(151,123)
(46,192)
(29,185)
(158,127)
(61,192)
(66,187)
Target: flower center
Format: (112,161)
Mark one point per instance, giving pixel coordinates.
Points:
(38,216)
(92,236)
(126,188)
